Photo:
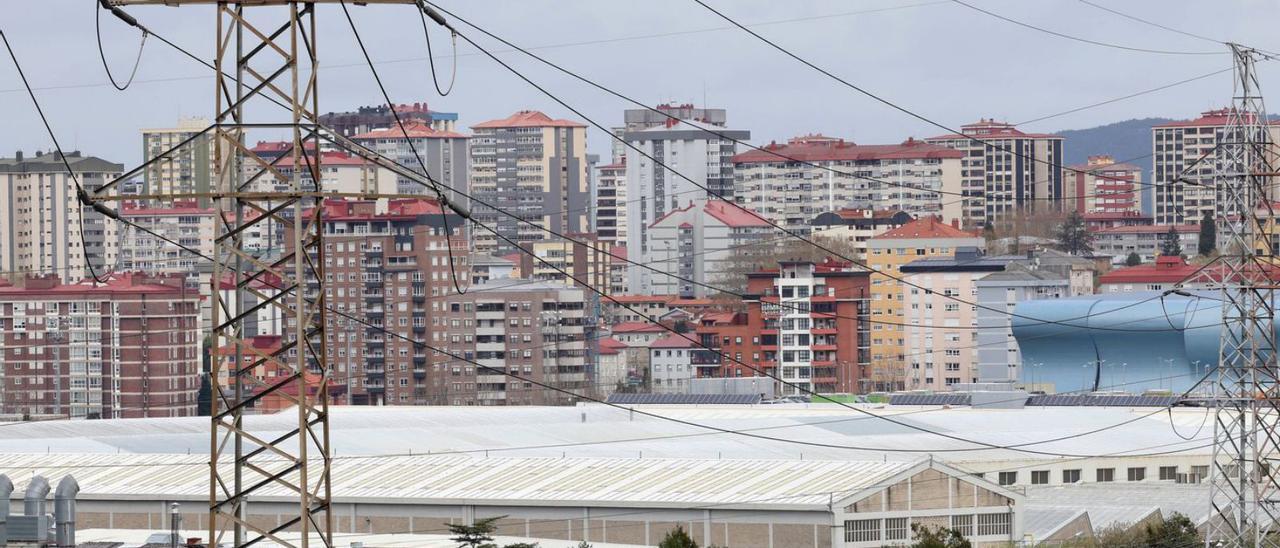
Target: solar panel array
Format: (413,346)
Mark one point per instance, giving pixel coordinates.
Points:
(684,399)
(929,399)
(1096,400)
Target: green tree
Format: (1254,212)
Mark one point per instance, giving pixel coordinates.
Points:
(1174,531)
(583,544)
(1170,245)
(1208,235)
(989,232)
(937,537)
(1073,235)
(477,535)
(677,538)
(1133,259)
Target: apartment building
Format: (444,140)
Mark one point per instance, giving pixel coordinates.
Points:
(127,348)
(680,163)
(577,260)
(444,152)
(533,167)
(1103,187)
(1145,240)
(184,223)
(385,267)
(812,329)
(642,118)
(941,323)
(521,334)
(366,119)
(857,226)
(611,203)
(887,253)
(671,364)
(697,243)
(1005,170)
(1189,149)
(186,168)
(793,183)
(43,232)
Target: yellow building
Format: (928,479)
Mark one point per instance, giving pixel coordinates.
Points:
(920,239)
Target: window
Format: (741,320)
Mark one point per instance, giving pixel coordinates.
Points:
(1106,474)
(896,529)
(1168,472)
(1071,476)
(993,524)
(963,524)
(1137,474)
(861,530)
(1008,478)
(1039,477)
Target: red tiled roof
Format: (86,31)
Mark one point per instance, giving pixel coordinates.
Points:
(718,317)
(337,209)
(413,129)
(1217,117)
(279,146)
(637,327)
(117,283)
(992,130)
(925,227)
(1114,215)
(1174,270)
(1147,229)
(819,149)
(612,346)
(673,341)
(732,215)
(619,253)
(327,158)
(527,118)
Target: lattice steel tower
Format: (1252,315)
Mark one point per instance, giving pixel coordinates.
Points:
(1243,489)
(266,61)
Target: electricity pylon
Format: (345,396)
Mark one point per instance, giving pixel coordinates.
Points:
(1243,486)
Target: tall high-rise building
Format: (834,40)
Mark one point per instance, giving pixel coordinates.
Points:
(1103,186)
(683,153)
(43,232)
(391,269)
(696,243)
(366,119)
(443,151)
(611,203)
(188,168)
(534,167)
(126,348)
(1006,172)
(637,119)
(1187,150)
(839,174)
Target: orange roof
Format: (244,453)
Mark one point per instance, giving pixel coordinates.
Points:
(637,327)
(825,149)
(527,118)
(925,227)
(673,341)
(612,346)
(627,299)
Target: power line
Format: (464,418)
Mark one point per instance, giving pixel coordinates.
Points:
(1077,38)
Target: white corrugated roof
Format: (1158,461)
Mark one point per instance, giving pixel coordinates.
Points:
(600,431)
(452,479)
(1121,503)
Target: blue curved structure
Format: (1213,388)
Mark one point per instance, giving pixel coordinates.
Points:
(1128,341)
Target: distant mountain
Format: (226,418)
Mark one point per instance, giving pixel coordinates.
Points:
(1125,141)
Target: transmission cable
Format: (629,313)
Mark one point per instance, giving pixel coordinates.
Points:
(97,28)
(423,10)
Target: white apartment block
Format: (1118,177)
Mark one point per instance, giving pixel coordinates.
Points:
(695,243)
(685,163)
(792,184)
(443,151)
(1188,149)
(1005,172)
(41,216)
(611,203)
(671,364)
(181,169)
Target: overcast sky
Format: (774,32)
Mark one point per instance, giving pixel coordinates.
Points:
(938,58)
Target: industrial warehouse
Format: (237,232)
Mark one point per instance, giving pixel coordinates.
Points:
(801,475)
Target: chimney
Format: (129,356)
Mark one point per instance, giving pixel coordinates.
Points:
(33,502)
(955,223)
(6,491)
(64,511)
(18,155)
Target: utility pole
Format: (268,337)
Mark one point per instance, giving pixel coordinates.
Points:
(1243,487)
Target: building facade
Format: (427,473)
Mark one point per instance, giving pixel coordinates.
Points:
(1104,188)
(577,260)
(857,226)
(1188,150)
(637,119)
(184,169)
(443,151)
(128,348)
(887,253)
(43,232)
(998,293)
(611,204)
(674,154)
(534,167)
(1005,171)
(671,364)
(696,242)
(792,184)
(1145,240)
(391,270)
